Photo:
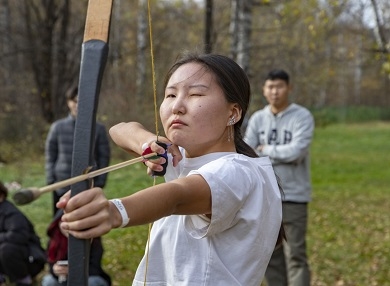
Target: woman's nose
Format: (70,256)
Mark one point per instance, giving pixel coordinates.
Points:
(178,105)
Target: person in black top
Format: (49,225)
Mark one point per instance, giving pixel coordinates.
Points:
(16,235)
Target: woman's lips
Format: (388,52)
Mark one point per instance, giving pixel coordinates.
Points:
(177,122)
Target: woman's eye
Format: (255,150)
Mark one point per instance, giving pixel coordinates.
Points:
(195,94)
(170,95)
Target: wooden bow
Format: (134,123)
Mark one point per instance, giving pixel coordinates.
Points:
(93,61)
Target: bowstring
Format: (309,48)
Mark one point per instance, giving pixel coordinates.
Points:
(156,125)
(153,70)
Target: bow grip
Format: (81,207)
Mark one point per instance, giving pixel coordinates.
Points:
(165,155)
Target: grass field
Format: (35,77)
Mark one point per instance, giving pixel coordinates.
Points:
(349,231)
(349,224)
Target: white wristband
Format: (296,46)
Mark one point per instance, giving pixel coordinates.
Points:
(122,210)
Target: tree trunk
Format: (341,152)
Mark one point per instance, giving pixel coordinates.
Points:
(115,46)
(380,29)
(41,52)
(208,26)
(5,45)
(141,53)
(61,80)
(240,29)
(233,28)
(55,61)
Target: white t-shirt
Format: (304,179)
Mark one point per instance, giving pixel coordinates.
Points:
(235,245)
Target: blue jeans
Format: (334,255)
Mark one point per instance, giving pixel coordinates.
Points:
(50,280)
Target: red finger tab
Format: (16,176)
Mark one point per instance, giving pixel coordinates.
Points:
(147,151)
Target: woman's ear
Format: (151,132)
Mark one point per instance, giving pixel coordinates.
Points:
(236,112)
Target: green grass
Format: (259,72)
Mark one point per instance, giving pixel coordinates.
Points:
(349,228)
(349,224)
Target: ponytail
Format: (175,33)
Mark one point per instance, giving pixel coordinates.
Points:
(241,146)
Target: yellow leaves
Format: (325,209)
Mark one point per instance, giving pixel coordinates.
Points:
(386,67)
(265,2)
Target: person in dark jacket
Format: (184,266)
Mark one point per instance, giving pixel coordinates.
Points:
(57,256)
(59,149)
(16,233)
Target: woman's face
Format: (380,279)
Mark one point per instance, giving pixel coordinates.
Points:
(195,112)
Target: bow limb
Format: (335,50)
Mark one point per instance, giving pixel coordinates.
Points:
(93,60)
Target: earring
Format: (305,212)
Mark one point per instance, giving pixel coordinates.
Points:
(231,122)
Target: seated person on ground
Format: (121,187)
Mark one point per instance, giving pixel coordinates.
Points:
(57,252)
(16,235)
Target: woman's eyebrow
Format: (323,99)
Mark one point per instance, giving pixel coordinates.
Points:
(199,85)
(190,86)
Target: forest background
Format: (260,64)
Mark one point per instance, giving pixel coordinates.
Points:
(336,51)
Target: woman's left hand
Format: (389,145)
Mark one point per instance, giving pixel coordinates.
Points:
(87,214)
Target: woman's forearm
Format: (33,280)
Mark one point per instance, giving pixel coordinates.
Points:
(123,134)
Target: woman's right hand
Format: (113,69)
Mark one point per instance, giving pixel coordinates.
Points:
(156,165)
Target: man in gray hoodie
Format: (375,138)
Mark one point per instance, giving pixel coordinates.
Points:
(283,131)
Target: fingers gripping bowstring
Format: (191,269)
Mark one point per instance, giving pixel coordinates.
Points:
(156,124)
